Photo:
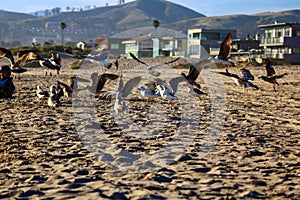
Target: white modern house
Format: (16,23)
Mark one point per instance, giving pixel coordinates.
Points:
(281,41)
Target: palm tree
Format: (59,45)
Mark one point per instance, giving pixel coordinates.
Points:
(155,24)
(62,27)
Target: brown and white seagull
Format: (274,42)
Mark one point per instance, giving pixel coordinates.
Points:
(194,72)
(53,63)
(271,76)
(6,53)
(243,80)
(23,57)
(224,52)
(150,68)
(98,82)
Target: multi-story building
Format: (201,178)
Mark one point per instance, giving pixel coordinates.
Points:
(206,40)
(145,42)
(153,46)
(281,41)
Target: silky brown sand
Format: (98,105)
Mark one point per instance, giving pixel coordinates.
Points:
(256,155)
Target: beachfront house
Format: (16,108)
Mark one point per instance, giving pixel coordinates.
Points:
(148,42)
(281,41)
(153,46)
(204,41)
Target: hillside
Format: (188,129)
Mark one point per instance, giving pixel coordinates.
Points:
(244,24)
(13,16)
(110,20)
(98,22)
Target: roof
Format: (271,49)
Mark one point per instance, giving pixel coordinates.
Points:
(149,31)
(140,38)
(278,24)
(145,37)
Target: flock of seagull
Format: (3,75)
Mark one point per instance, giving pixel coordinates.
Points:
(26,56)
(153,89)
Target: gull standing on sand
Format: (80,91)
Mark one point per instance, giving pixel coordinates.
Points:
(149,90)
(41,94)
(53,100)
(64,89)
(53,63)
(165,94)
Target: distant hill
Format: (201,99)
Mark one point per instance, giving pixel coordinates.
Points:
(244,24)
(6,16)
(97,22)
(110,20)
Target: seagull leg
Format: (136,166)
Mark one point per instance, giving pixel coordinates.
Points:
(274,88)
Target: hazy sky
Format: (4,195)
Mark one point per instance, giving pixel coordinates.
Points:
(206,7)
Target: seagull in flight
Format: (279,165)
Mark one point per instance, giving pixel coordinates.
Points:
(195,91)
(98,82)
(150,68)
(271,75)
(103,58)
(243,80)
(123,91)
(194,72)
(224,52)
(6,53)
(23,57)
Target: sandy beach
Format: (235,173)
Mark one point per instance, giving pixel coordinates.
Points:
(234,145)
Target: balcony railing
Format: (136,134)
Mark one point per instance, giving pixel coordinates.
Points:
(278,40)
(273,55)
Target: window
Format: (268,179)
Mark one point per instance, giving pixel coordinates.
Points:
(296,50)
(114,46)
(204,36)
(179,44)
(194,50)
(278,33)
(196,36)
(268,33)
(223,36)
(287,32)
